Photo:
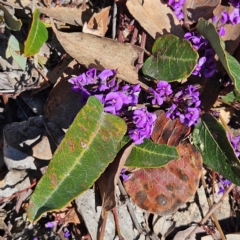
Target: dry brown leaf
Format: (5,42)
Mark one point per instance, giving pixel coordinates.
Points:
(101,53)
(155,17)
(108,180)
(95,32)
(73,16)
(99,21)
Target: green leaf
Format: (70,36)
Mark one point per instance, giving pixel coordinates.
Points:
(230,64)
(229,97)
(210,137)
(10,20)
(15,50)
(37,35)
(150,154)
(90,144)
(172,59)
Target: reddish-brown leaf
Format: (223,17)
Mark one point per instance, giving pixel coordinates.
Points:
(167,131)
(163,190)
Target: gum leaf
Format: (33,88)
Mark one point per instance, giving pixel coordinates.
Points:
(37,35)
(15,50)
(230,64)
(90,144)
(173,59)
(150,154)
(210,137)
(10,20)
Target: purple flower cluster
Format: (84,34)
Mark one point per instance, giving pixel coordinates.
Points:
(143,123)
(235,143)
(185,105)
(235,3)
(116,99)
(177,6)
(223,183)
(162,90)
(206,65)
(233,18)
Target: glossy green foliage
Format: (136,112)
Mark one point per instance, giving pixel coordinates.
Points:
(150,154)
(37,35)
(230,64)
(90,144)
(173,59)
(210,137)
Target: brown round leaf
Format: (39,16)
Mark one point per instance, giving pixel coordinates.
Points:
(167,131)
(163,190)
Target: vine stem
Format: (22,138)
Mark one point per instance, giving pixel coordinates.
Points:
(210,212)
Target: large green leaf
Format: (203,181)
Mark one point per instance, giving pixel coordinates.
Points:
(231,65)
(89,146)
(10,20)
(37,35)
(210,137)
(172,59)
(150,154)
(15,50)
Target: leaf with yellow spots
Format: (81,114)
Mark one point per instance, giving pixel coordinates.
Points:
(90,144)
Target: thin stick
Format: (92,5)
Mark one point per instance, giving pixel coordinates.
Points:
(103,225)
(130,208)
(114,20)
(210,205)
(117,224)
(211,211)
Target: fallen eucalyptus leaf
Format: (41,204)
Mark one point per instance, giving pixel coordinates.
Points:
(101,53)
(10,20)
(15,50)
(90,144)
(155,17)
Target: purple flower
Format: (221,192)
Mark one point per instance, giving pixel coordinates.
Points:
(113,102)
(104,76)
(172,111)
(162,90)
(50,224)
(223,183)
(199,66)
(235,143)
(177,8)
(234,17)
(66,234)
(224,17)
(190,117)
(124,175)
(221,31)
(140,118)
(143,125)
(235,3)
(132,92)
(196,40)
(91,76)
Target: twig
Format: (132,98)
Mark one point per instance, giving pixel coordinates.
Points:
(134,36)
(114,20)
(211,211)
(130,208)
(141,56)
(210,205)
(103,225)
(117,224)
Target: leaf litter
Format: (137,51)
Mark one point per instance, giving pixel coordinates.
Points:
(39,107)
